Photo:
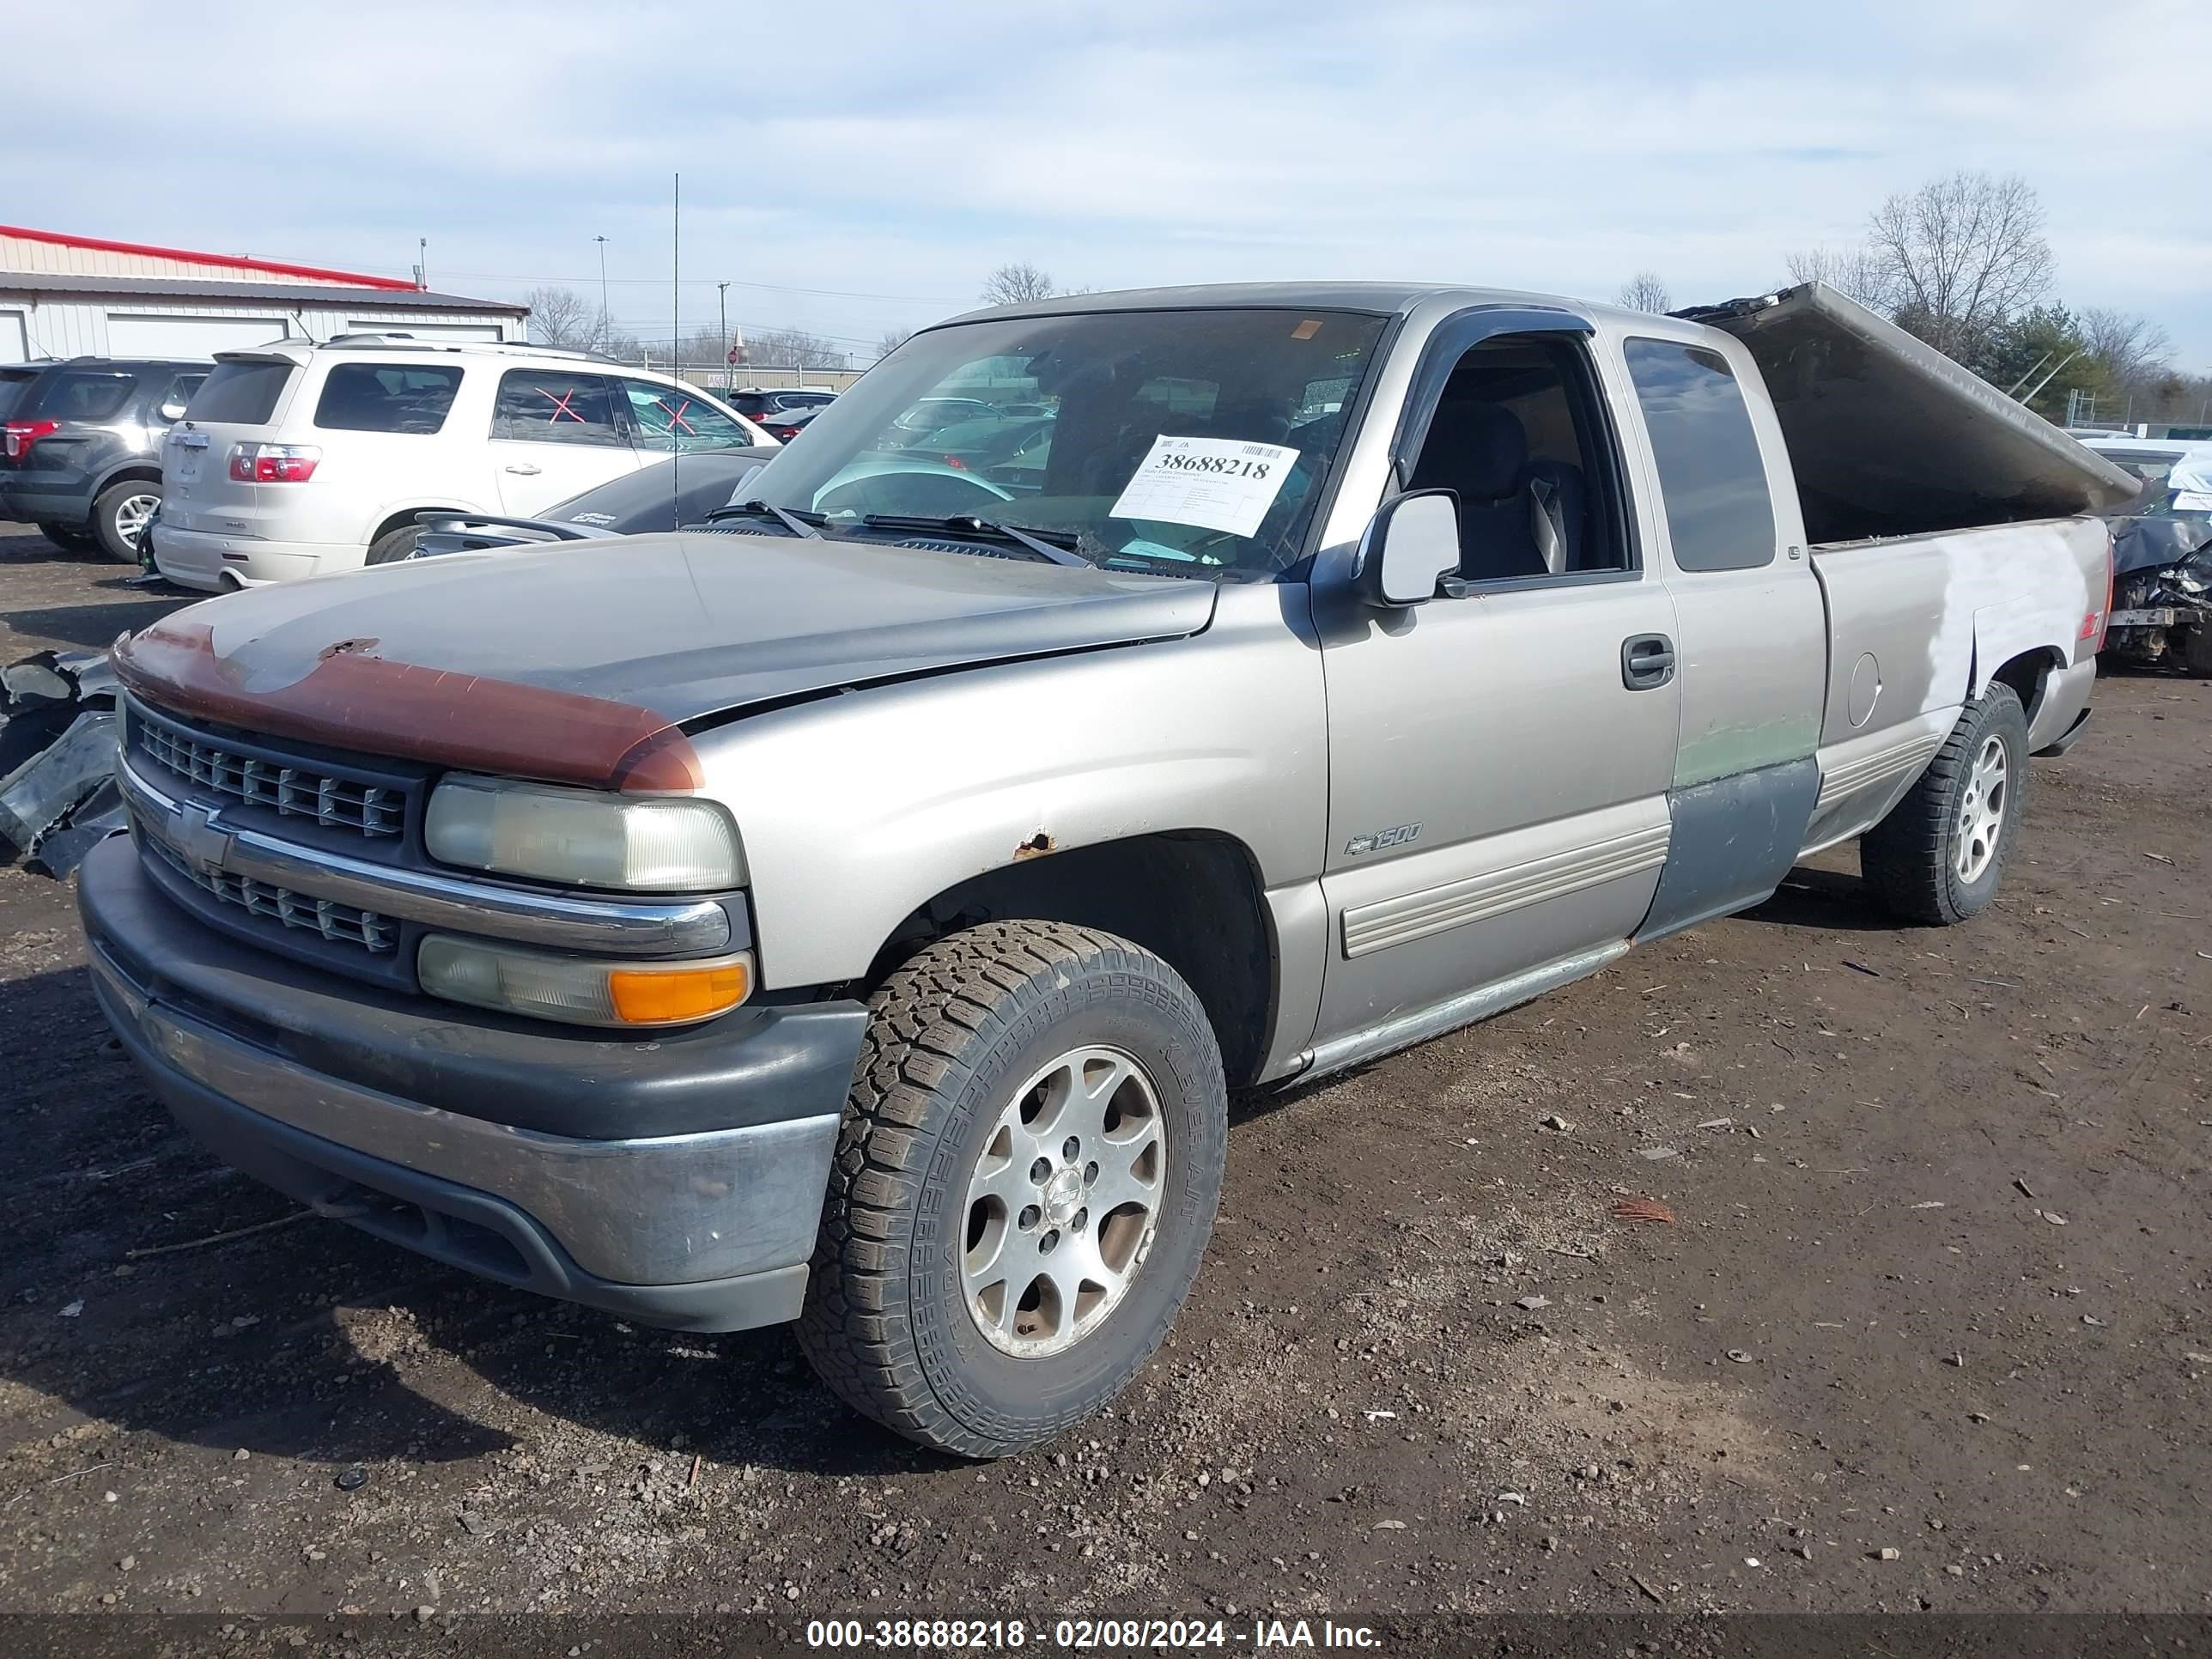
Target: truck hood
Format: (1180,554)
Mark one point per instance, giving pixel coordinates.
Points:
(696,624)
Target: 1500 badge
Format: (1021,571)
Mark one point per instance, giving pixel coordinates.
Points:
(1382,839)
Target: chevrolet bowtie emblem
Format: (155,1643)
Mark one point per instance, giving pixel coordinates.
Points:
(199,841)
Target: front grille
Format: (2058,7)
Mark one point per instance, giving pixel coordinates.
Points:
(342,924)
(366,809)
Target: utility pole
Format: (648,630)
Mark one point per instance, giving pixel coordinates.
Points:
(723,288)
(423,270)
(606,319)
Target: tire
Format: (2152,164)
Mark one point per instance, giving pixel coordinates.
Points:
(70,538)
(119,516)
(2196,650)
(897,1301)
(394,545)
(1939,857)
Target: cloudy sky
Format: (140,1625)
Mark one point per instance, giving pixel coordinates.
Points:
(854,166)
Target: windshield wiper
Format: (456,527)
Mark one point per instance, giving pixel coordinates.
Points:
(1057,546)
(799,524)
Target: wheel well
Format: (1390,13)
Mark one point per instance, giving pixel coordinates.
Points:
(406,517)
(2026,674)
(1194,899)
(137,473)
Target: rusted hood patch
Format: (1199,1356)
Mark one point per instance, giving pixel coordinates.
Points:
(348,699)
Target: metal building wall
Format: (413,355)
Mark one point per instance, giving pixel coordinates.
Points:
(72,328)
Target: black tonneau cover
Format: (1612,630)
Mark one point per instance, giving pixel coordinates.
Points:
(1889,437)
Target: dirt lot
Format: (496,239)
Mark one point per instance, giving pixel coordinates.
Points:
(1932,1328)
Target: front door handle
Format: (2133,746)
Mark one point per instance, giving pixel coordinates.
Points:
(1647,661)
(526,469)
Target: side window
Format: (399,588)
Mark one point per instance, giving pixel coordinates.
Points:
(176,395)
(552,406)
(667,418)
(73,394)
(409,398)
(1518,436)
(1719,515)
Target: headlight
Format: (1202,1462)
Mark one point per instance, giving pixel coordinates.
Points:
(584,837)
(581,992)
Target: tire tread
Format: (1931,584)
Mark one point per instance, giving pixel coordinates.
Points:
(916,1056)
(1906,859)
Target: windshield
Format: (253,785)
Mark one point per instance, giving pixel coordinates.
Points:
(1191,442)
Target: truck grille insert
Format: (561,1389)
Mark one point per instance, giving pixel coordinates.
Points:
(366,809)
(342,924)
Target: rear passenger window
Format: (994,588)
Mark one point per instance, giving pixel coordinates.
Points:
(671,419)
(81,395)
(412,397)
(548,406)
(239,394)
(1719,515)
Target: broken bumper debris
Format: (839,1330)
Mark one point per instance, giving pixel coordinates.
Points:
(58,745)
(2162,591)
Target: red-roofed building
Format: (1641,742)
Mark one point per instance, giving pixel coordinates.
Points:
(85,296)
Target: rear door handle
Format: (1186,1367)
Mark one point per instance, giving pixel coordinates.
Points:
(525,470)
(1647,661)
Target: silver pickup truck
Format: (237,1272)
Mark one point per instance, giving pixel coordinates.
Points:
(859,911)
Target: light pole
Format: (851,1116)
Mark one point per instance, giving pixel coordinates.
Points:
(605,320)
(723,288)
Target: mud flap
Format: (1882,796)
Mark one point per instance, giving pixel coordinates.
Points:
(1734,840)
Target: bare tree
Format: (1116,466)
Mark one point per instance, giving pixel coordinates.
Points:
(893,338)
(2133,350)
(793,348)
(559,317)
(1644,291)
(1963,253)
(1017,284)
(1855,273)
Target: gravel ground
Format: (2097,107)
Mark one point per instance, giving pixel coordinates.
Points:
(1929,1327)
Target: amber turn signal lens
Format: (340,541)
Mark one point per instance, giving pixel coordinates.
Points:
(665,996)
(578,992)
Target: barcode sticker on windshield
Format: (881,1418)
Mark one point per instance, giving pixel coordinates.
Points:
(1217,483)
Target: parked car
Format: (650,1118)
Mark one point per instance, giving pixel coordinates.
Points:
(764,404)
(913,424)
(669,494)
(80,445)
(784,427)
(2179,470)
(296,459)
(2162,590)
(1006,450)
(863,920)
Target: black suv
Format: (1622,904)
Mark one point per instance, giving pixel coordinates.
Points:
(769,405)
(80,445)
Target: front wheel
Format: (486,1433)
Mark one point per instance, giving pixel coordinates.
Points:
(1023,1185)
(394,545)
(2196,648)
(1940,854)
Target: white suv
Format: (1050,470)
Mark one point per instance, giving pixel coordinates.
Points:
(296,459)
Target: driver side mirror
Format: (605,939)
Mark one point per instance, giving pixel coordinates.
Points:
(173,410)
(1412,544)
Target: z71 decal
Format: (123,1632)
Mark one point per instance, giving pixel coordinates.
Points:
(1382,839)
